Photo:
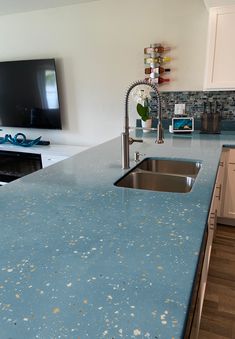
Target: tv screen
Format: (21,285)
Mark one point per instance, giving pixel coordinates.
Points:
(29,94)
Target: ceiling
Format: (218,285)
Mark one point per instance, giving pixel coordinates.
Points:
(17,6)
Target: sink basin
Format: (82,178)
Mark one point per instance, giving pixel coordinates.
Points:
(182,167)
(156,182)
(165,175)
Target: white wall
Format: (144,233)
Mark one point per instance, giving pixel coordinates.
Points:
(99,51)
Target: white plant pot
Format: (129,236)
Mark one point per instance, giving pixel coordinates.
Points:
(146,125)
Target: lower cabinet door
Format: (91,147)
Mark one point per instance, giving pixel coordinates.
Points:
(228,210)
(229,199)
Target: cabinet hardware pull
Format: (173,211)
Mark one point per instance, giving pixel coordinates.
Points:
(221,163)
(212,220)
(212,227)
(219,193)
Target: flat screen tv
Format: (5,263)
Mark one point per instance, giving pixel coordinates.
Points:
(29,94)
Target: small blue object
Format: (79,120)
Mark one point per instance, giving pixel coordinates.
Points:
(19,140)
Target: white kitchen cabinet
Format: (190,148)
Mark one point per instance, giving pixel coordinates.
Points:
(218,3)
(220,70)
(227,212)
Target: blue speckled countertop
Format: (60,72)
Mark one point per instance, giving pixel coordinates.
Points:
(81,258)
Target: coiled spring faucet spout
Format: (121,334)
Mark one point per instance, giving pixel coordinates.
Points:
(126,140)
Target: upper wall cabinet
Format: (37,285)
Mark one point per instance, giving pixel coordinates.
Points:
(220,65)
(218,3)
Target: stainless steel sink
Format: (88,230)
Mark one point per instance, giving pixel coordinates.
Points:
(156,182)
(165,175)
(187,168)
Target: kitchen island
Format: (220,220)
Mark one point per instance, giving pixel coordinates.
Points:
(82,258)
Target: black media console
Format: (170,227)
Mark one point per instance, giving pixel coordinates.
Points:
(14,165)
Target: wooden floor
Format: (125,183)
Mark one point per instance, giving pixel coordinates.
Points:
(218,316)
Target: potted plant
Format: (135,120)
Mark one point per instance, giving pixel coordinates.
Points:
(143,109)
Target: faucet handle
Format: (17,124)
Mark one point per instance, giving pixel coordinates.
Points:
(131,140)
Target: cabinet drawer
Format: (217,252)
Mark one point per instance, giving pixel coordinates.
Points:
(231,157)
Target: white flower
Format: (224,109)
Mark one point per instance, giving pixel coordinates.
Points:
(140,95)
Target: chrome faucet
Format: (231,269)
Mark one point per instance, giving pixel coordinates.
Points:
(126,140)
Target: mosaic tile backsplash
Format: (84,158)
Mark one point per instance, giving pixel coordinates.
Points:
(196,102)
